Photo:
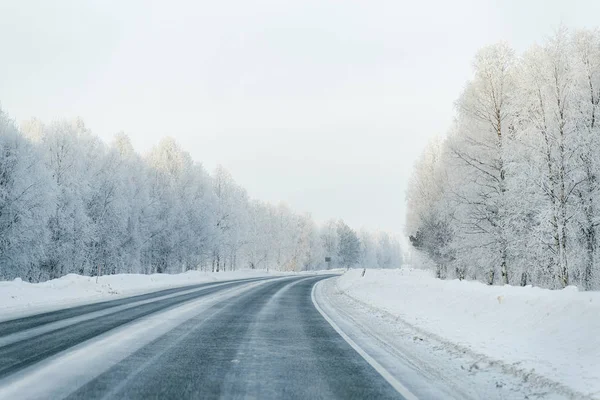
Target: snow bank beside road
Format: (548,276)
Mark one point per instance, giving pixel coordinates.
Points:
(553,334)
(18,298)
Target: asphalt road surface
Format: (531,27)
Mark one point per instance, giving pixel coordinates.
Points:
(268,342)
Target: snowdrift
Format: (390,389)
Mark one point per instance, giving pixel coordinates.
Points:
(552,333)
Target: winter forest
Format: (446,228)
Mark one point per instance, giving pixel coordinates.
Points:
(70,203)
(511,193)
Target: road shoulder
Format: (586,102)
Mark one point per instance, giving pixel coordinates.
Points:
(426,365)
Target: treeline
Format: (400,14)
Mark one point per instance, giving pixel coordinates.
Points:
(70,203)
(510,195)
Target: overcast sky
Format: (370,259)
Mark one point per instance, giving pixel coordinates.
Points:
(320,104)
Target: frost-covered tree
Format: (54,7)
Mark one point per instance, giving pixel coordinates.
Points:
(330,240)
(26,193)
(64,146)
(231,220)
(519,194)
(349,246)
(429,221)
(586,64)
(368,249)
(480,147)
(69,203)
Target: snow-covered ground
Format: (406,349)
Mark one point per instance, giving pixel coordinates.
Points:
(18,298)
(468,339)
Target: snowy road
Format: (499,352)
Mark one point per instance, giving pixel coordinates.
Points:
(254,339)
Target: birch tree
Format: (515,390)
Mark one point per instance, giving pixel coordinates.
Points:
(586,49)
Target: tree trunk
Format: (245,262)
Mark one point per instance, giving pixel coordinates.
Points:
(491,275)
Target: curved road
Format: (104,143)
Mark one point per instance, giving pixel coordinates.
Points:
(267,342)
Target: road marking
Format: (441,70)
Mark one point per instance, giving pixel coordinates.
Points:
(400,388)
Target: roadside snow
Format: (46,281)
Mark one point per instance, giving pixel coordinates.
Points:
(530,332)
(18,298)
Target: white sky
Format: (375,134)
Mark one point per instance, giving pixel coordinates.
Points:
(321,104)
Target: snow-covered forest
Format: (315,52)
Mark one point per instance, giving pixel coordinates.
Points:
(69,203)
(511,193)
